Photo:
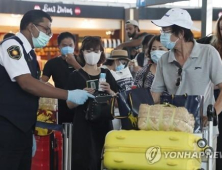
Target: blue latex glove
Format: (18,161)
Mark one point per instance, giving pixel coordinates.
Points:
(78,96)
(33,146)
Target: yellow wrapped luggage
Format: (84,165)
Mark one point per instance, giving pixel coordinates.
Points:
(46,113)
(143,150)
(165,117)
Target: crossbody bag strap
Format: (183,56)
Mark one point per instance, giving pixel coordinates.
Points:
(80,71)
(145,74)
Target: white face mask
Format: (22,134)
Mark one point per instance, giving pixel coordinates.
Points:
(92,58)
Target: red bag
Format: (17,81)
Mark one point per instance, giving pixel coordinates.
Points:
(49,151)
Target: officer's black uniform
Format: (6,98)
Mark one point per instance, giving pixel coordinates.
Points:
(18,111)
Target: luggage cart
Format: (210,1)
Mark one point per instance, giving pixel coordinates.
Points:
(64,145)
(206,142)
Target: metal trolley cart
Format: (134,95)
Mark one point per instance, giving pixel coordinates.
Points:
(125,152)
(54,152)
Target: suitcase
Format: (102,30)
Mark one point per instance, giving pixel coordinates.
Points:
(49,151)
(136,161)
(135,150)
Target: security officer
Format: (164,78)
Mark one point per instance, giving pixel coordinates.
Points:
(19,88)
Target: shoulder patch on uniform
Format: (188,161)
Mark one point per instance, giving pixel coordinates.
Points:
(14,52)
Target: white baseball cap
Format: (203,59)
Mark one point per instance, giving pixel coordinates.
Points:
(176,16)
(132,22)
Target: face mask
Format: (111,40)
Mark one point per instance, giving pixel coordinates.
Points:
(41,41)
(92,58)
(67,50)
(165,40)
(156,55)
(119,67)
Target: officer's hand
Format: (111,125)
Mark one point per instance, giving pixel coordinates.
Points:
(33,146)
(78,97)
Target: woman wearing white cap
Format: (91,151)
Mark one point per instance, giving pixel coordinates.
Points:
(189,67)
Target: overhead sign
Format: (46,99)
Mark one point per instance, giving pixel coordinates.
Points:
(63,10)
(142,3)
(77,11)
(59,9)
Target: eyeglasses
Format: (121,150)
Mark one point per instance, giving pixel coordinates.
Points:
(47,30)
(165,31)
(179,79)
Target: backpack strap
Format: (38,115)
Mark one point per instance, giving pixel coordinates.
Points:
(80,71)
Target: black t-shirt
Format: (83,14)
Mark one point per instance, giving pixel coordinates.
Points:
(59,69)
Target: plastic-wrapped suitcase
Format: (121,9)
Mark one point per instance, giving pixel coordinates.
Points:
(129,150)
(49,152)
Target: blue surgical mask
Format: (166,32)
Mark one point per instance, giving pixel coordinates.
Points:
(67,50)
(42,40)
(165,40)
(156,55)
(119,67)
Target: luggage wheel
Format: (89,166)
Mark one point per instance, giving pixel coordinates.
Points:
(202,143)
(208,151)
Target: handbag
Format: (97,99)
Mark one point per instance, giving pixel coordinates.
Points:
(128,121)
(124,79)
(193,103)
(101,108)
(129,102)
(139,96)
